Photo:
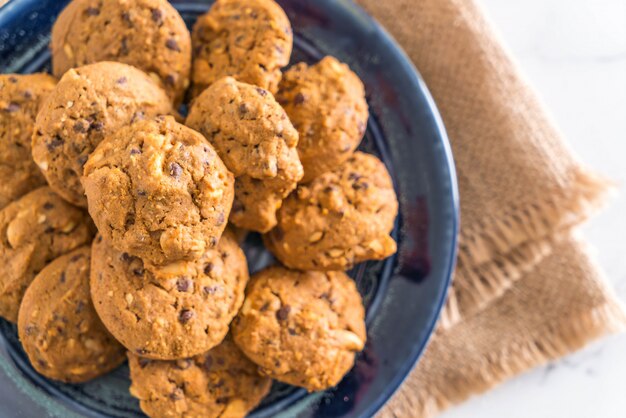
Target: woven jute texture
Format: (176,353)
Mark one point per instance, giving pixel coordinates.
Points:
(524,291)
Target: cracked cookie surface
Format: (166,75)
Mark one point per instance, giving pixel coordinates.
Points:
(219,383)
(326,103)
(256,141)
(86,105)
(21,96)
(170,312)
(58,326)
(250,40)
(159,191)
(302,328)
(339,219)
(147,34)
(35,230)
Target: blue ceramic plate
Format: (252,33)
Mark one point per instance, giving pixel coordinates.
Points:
(403,294)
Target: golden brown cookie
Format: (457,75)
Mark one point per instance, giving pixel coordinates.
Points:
(147,34)
(326,103)
(87,104)
(58,327)
(35,230)
(250,40)
(302,328)
(159,191)
(220,383)
(176,311)
(257,142)
(339,219)
(20,99)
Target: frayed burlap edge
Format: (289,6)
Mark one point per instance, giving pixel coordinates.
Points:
(499,234)
(474,288)
(546,344)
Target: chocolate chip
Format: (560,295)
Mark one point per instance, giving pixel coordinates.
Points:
(126,18)
(49,230)
(212,241)
(130,220)
(141,192)
(175,170)
(292,331)
(184,284)
(31,329)
(265,307)
(210,290)
(299,99)
(172,44)
(243,109)
(283,312)
(143,362)
(170,79)
(125,257)
(138,271)
(92,11)
(208,362)
(62,277)
(157,16)
(81,126)
(12,107)
(359,186)
(354,176)
(278,233)
(238,206)
(27,94)
(48,205)
(220,361)
(12,79)
(121,80)
(75,258)
(97,126)
(79,307)
(99,239)
(138,115)
(185,315)
(82,160)
(56,142)
(124,47)
(207,268)
(135,151)
(220,219)
(261,91)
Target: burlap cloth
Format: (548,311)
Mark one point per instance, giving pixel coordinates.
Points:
(525,291)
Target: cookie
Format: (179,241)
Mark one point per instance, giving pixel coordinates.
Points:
(20,99)
(58,327)
(171,312)
(147,34)
(326,103)
(35,230)
(341,218)
(88,104)
(250,40)
(302,328)
(256,140)
(219,383)
(159,191)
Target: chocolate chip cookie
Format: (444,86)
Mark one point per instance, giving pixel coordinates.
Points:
(35,230)
(326,103)
(257,142)
(88,104)
(58,327)
(147,34)
(171,312)
(220,383)
(20,99)
(250,40)
(302,328)
(341,218)
(159,191)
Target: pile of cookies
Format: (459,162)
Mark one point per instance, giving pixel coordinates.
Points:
(119,223)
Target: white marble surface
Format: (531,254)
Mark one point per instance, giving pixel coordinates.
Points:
(574,53)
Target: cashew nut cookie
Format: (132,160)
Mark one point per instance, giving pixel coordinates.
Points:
(170,312)
(20,99)
(326,103)
(339,219)
(219,383)
(250,40)
(88,104)
(159,191)
(301,327)
(58,326)
(35,230)
(147,34)
(257,142)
